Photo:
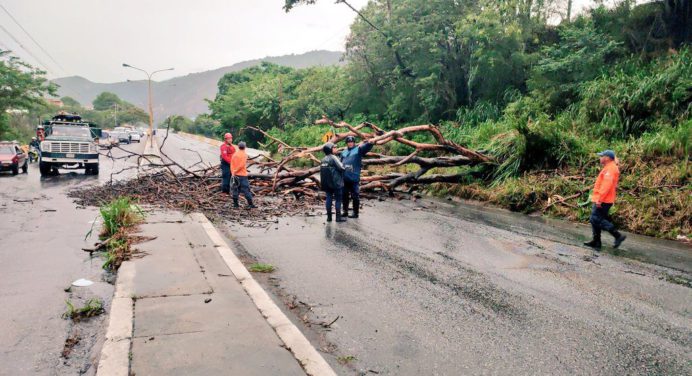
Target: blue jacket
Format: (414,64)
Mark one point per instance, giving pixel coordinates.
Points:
(353,161)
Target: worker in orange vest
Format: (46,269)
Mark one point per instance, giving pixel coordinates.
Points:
(603,198)
(240,180)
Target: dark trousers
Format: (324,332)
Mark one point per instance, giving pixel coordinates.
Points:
(351,192)
(225,177)
(335,196)
(600,220)
(241,184)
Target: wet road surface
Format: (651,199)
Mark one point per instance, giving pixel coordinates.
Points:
(417,290)
(429,288)
(422,292)
(42,234)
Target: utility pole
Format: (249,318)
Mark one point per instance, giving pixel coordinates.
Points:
(116,114)
(151,107)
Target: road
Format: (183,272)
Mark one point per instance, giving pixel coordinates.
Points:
(42,234)
(428,287)
(418,287)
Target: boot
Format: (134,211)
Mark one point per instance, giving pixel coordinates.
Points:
(344,211)
(329,216)
(595,244)
(356,208)
(235,203)
(250,205)
(340,218)
(619,238)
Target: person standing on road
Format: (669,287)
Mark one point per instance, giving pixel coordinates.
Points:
(603,198)
(332,180)
(240,180)
(352,158)
(227,151)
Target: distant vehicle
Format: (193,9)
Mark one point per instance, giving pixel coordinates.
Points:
(134,136)
(107,141)
(12,157)
(69,143)
(121,136)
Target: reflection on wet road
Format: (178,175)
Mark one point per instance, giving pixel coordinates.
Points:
(424,292)
(42,233)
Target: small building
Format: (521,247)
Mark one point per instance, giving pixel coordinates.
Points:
(55,102)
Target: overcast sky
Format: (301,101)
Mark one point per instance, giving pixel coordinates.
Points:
(92,38)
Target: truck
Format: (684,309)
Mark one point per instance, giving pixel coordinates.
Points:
(69,143)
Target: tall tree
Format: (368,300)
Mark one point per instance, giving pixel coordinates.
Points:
(22,87)
(106,101)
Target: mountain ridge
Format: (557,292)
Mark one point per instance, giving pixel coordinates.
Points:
(183,95)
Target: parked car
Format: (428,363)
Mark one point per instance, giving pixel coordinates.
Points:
(12,157)
(134,136)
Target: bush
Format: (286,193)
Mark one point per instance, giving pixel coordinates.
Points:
(118,214)
(637,96)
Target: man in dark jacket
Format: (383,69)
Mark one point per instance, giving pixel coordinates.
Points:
(352,158)
(332,180)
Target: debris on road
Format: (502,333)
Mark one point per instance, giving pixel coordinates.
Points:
(82,283)
(93,307)
(200,193)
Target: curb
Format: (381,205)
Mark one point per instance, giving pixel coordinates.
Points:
(151,147)
(313,363)
(115,353)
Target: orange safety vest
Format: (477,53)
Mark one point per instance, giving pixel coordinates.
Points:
(606,183)
(238,163)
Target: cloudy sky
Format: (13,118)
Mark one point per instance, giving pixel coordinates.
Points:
(92,38)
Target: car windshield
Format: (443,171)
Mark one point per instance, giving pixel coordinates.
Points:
(71,131)
(6,150)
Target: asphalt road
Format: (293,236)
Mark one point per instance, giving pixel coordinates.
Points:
(417,289)
(420,289)
(42,232)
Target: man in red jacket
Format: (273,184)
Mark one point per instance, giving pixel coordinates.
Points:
(227,151)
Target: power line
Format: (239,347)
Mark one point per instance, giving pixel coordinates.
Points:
(32,38)
(25,49)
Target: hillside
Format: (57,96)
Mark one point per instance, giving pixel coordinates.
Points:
(183,95)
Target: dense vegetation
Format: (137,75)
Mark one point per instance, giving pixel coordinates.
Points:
(108,111)
(539,92)
(21,90)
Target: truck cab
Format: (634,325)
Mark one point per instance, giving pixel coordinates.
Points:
(69,143)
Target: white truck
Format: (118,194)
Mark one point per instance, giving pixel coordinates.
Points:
(69,143)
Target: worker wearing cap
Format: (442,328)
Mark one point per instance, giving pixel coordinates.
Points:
(352,159)
(240,179)
(603,198)
(227,151)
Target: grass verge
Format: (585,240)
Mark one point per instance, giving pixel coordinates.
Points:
(261,268)
(93,307)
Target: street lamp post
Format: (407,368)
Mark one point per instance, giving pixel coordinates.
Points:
(151,109)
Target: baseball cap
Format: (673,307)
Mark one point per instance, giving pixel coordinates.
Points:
(607,153)
(227,135)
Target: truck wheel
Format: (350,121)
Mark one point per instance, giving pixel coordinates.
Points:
(45,168)
(92,169)
(25,168)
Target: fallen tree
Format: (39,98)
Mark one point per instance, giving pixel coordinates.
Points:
(281,188)
(445,154)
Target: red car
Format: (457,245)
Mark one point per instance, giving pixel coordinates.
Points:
(12,158)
